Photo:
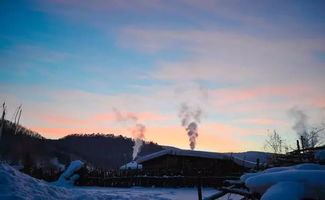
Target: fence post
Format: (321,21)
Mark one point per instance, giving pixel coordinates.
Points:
(199,187)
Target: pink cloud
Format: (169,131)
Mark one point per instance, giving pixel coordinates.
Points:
(230,130)
(104,117)
(263,121)
(146,116)
(64,120)
(235,95)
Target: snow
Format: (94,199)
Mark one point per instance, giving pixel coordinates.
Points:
(131,165)
(67,178)
(285,190)
(15,185)
(202,154)
(252,156)
(320,155)
(299,181)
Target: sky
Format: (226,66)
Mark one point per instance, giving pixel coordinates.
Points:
(245,64)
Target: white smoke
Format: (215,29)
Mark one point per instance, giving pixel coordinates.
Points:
(138,134)
(300,121)
(307,139)
(190,118)
(194,100)
(137,129)
(56,163)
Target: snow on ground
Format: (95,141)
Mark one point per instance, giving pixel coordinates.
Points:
(295,182)
(15,185)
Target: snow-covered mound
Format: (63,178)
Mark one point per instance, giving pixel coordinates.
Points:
(68,177)
(295,182)
(16,185)
(131,165)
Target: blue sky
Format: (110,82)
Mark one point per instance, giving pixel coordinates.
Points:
(71,62)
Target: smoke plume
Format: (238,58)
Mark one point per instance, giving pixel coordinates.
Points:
(190,118)
(300,121)
(56,162)
(138,134)
(137,129)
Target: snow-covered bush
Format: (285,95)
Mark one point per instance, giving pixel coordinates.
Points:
(68,177)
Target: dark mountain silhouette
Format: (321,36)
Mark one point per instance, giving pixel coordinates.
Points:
(98,150)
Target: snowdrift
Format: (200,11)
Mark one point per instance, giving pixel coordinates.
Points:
(295,182)
(16,185)
(68,177)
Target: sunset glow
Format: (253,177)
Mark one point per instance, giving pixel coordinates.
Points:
(72,64)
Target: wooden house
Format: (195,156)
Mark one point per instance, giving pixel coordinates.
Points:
(191,163)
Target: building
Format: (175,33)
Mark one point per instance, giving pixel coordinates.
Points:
(187,162)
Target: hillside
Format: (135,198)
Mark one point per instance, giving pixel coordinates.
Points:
(98,150)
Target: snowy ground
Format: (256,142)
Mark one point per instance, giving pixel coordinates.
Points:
(150,193)
(15,185)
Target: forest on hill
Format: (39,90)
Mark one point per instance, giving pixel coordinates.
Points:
(21,146)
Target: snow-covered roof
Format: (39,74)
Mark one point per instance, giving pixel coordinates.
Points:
(191,153)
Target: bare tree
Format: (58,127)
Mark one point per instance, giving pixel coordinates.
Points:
(3,118)
(274,142)
(312,138)
(17,118)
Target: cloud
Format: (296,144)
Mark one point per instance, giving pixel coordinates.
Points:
(143,116)
(63,120)
(262,121)
(229,56)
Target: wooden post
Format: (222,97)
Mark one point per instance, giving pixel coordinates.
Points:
(199,187)
(298,146)
(257,163)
